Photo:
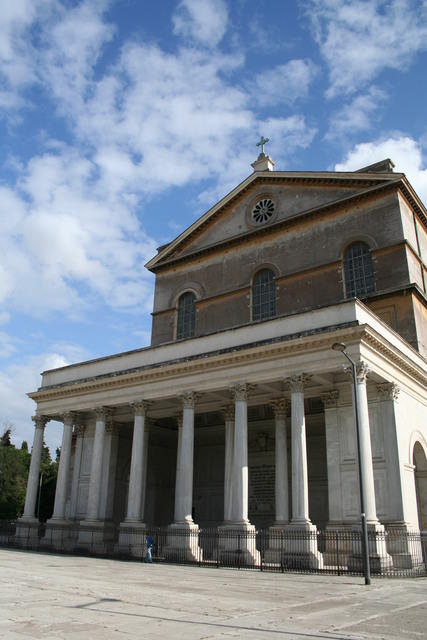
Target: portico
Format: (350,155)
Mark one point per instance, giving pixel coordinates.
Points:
(275,373)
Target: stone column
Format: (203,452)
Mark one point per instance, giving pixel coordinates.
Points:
(185,460)
(378,555)
(228,463)
(300,515)
(34,473)
(147,429)
(237,538)
(333,457)
(240,456)
(281,463)
(183,535)
(366,464)
(63,469)
(301,546)
(277,533)
(79,431)
(92,514)
(136,478)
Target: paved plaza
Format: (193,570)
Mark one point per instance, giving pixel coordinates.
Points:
(76,598)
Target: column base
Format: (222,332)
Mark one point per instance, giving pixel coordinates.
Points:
(237,545)
(96,536)
(379,559)
(182,543)
(132,534)
(59,535)
(338,544)
(405,546)
(300,546)
(27,532)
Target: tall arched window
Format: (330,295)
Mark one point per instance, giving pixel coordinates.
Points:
(186,315)
(358,270)
(263,295)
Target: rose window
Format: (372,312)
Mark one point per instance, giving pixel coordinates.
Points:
(263,211)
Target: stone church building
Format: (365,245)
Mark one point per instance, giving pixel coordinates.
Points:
(240,415)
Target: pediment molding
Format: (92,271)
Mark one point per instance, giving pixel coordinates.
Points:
(175,253)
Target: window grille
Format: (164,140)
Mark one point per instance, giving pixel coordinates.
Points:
(263,295)
(186,315)
(358,270)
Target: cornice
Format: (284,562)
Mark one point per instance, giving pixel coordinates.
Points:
(246,354)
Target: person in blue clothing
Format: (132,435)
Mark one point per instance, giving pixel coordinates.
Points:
(150,544)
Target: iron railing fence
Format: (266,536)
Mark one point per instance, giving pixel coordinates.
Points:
(395,552)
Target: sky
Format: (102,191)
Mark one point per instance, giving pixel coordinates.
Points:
(123,121)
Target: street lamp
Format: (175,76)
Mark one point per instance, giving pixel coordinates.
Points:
(340,346)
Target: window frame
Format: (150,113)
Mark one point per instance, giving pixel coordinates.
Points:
(358,270)
(183,331)
(257,313)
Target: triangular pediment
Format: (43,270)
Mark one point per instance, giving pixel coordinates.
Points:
(286,195)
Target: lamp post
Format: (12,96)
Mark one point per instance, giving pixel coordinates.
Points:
(340,346)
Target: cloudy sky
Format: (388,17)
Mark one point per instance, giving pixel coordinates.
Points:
(122,121)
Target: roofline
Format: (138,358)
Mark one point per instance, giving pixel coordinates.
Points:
(332,176)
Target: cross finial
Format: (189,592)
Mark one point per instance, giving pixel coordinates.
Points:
(262,142)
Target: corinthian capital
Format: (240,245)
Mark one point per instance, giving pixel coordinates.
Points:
(69,417)
(188,399)
(362,371)
(140,407)
(297,382)
(330,398)
(281,407)
(228,413)
(103,413)
(40,421)
(388,391)
(240,391)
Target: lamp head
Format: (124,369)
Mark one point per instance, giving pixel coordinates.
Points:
(339,346)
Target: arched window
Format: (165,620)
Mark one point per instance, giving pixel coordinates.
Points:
(358,270)
(263,295)
(186,315)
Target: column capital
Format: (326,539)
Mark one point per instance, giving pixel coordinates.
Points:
(297,382)
(140,407)
(40,421)
(79,430)
(280,407)
(330,398)
(362,371)
(69,417)
(179,419)
(188,399)
(228,412)
(103,413)
(240,391)
(110,427)
(388,391)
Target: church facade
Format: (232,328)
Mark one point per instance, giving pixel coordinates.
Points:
(240,415)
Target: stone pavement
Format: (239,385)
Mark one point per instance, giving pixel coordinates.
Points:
(57,597)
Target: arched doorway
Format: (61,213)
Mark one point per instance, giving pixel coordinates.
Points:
(420,463)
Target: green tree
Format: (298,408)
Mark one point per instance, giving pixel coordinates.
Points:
(14,465)
(14,468)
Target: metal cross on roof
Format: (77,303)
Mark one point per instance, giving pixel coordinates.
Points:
(262,142)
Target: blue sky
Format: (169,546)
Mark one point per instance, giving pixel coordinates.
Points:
(121,122)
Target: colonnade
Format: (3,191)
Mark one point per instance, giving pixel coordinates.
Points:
(235,468)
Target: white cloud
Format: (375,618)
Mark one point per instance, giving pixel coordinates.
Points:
(60,230)
(405,153)
(204,21)
(361,38)
(19,378)
(357,115)
(284,83)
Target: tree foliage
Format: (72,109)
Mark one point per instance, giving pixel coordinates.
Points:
(14,468)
